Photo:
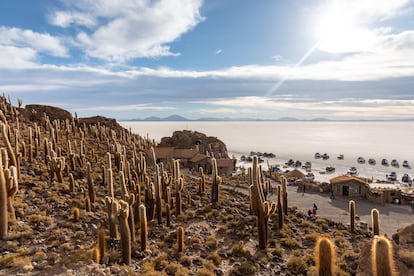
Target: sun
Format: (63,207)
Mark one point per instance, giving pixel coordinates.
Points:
(338,30)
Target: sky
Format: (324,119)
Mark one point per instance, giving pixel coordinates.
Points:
(262,59)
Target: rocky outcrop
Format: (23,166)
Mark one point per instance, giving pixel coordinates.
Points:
(186,139)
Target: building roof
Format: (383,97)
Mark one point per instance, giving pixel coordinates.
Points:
(198,157)
(185,153)
(224,162)
(346,178)
(164,152)
(295,173)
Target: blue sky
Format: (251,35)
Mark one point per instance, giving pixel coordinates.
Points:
(214,58)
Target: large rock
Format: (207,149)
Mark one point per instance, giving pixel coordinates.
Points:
(186,139)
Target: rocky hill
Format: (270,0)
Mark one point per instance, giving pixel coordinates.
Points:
(186,139)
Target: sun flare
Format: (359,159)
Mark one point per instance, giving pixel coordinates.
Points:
(338,30)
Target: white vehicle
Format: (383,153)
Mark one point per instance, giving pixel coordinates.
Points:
(353,171)
(310,176)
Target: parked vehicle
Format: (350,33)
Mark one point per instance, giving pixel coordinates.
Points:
(405,164)
(384,162)
(307,165)
(310,176)
(406,178)
(325,156)
(395,163)
(353,171)
(372,161)
(392,176)
(361,160)
(341,157)
(330,169)
(317,155)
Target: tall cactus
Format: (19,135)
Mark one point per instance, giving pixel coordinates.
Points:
(91,188)
(375,222)
(12,157)
(280,213)
(4,217)
(125,231)
(382,257)
(143,227)
(261,209)
(178,196)
(352,215)
(284,196)
(201,181)
(12,187)
(215,186)
(180,239)
(325,257)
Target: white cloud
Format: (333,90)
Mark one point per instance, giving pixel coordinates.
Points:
(219,51)
(129,107)
(14,58)
(65,19)
(130,29)
(40,42)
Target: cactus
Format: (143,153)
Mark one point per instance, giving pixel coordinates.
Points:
(11,186)
(261,208)
(158,193)
(95,254)
(76,214)
(216,182)
(143,226)
(101,245)
(4,218)
(201,181)
(125,231)
(280,213)
(168,214)
(112,210)
(131,217)
(91,189)
(352,215)
(71,183)
(284,196)
(178,194)
(325,257)
(180,239)
(12,157)
(382,257)
(87,203)
(56,167)
(375,222)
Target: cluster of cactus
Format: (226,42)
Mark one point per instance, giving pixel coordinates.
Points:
(261,208)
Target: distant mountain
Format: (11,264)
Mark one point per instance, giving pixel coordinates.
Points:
(288,119)
(171,118)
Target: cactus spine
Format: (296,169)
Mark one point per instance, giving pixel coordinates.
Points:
(180,238)
(352,215)
(375,222)
(382,257)
(143,227)
(325,257)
